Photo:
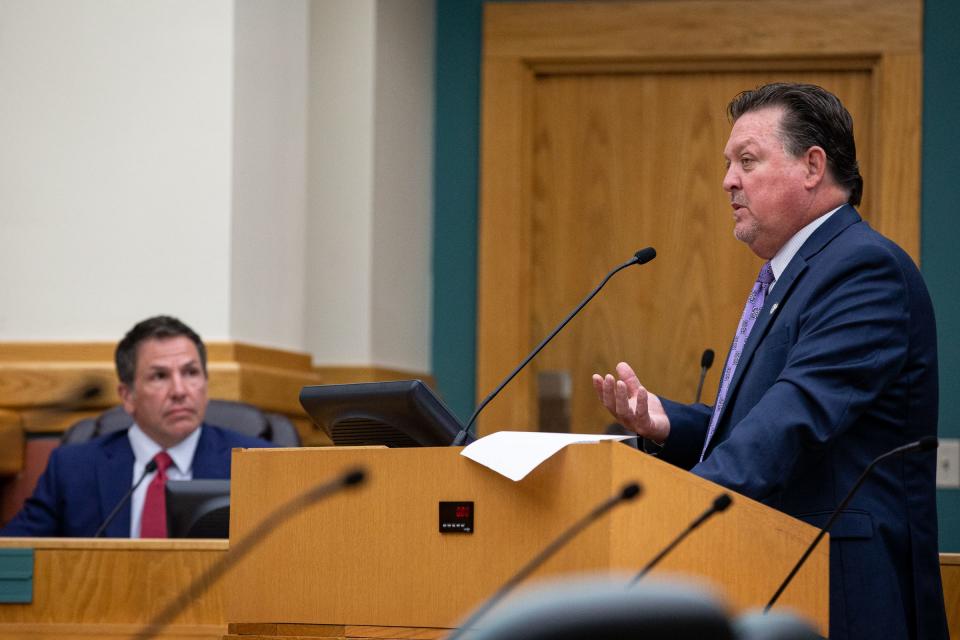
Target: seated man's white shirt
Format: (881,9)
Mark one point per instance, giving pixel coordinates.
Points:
(144,450)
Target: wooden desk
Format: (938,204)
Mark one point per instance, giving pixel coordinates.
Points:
(950,573)
(85,588)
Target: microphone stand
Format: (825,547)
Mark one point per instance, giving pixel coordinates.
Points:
(926,443)
(640,257)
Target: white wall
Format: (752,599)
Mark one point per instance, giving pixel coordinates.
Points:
(403,197)
(370,168)
(114,165)
(340,180)
(260,168)
(267,277)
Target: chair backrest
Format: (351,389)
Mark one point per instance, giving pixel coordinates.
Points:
(605,609)
(236,416)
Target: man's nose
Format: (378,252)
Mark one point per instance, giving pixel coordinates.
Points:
(177,384)
(730,180)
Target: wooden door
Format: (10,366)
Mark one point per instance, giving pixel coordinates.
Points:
(603,131)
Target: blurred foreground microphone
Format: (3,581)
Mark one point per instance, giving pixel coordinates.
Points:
(706,361)
(151,467)
(927,443)
(720,504)
(640,257)
(236,552)
(629,492)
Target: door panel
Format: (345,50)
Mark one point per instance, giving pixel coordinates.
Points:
(603,130)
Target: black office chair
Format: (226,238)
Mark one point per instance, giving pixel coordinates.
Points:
(236,416)
(605,609)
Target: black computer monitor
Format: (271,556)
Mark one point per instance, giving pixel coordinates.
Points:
(198,508)
(401,413)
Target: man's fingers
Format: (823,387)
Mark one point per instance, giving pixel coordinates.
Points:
(624,411)
(625,372)
(643,399)
(598,386)
(610,391)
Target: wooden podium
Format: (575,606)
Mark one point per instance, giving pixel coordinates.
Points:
(375,555)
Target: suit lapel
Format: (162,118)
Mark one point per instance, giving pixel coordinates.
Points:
(114,478)
(839,221)
(771,306)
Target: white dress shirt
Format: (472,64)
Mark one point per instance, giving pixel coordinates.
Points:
(144,449)
(780,261)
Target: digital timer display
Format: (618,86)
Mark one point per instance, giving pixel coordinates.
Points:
(456,517)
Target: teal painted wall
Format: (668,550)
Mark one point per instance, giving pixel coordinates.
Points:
(459,24)
(940,198)
(456,161)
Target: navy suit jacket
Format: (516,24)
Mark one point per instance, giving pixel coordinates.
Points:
(840,367)
(84,482)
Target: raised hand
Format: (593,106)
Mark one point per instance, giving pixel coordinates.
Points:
(631,404)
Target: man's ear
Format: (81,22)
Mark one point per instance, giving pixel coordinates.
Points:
(815,163)
(126,397)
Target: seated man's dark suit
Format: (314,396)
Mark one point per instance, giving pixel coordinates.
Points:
(840,367)
(84,482)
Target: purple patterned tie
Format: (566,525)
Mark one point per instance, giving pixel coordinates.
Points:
(750,313)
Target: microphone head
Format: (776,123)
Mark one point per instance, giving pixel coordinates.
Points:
(151,467)
(630,491)
(722,502)
(91,392)
(355,476)
(927,443)
(645,255)
(706,360)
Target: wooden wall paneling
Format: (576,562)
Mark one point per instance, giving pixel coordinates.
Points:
(603,126)
(11,443)
(950,574)
(87,588)
(895,175)
(503,304)
(578,31)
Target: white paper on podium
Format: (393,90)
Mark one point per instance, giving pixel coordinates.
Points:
(514,454)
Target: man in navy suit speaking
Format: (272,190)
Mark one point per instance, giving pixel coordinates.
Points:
(162,367)
(834,362)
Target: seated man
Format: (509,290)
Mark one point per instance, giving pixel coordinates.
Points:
(162,367)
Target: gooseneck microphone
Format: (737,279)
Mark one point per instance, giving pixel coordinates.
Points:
(150,468)
(926,443)
(627,493)
(720,504)
(237,551)
(706,361)
(640,257)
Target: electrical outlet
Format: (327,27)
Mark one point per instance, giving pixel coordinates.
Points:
(948,463)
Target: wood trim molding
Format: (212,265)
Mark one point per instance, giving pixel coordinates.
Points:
(709,28)
(11,443)
(41,382)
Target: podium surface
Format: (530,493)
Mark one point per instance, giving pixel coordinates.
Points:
(375,555)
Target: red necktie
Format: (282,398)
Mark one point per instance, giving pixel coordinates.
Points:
(153,523)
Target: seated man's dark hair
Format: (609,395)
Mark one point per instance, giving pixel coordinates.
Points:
(158,327)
